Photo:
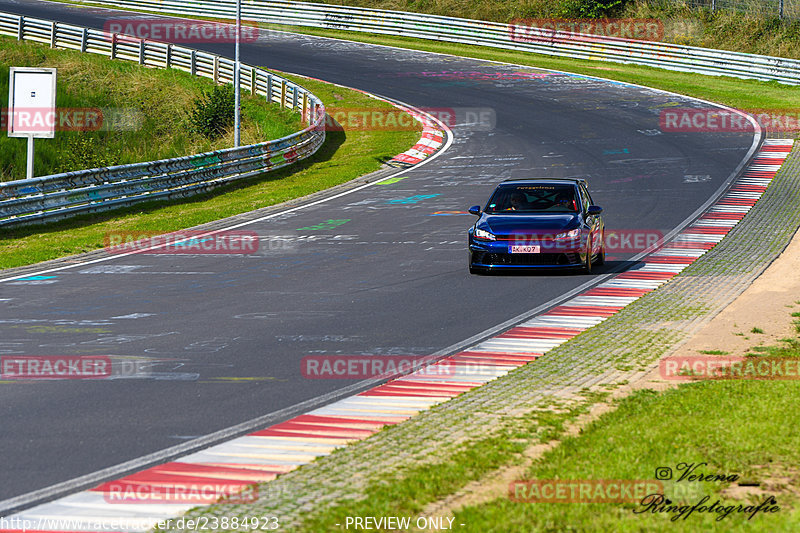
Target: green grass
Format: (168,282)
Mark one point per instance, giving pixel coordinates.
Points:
(742,94)
(408,493)
(344,156)
(788,348)
(156,102)
(735,427)
(731,427)
(407,496)
(735,92)
(714,352)
(753,31)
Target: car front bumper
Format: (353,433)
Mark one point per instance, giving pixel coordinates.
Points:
(496,255)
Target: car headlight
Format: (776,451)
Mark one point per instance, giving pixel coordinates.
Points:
(572,234)
(484,235)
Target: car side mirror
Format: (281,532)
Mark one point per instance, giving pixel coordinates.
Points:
(475,210)
(594,210)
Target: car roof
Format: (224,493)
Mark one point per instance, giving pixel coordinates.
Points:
(560,181)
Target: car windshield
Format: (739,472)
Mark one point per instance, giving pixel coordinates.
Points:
(533,198)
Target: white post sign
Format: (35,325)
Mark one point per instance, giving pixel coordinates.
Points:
(32,106)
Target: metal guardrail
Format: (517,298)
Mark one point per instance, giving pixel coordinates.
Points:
(788,9)
(58,196)
(494,34)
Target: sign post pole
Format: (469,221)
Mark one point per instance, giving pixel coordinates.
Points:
(29,173)
(237,76)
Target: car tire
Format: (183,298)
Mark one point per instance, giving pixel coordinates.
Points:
(587,264)
(601,256)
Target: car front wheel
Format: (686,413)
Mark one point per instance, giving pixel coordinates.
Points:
(587,264)
(601,255)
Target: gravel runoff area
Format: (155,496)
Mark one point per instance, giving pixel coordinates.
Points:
(620,350)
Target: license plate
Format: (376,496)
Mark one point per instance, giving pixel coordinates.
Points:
(523,249)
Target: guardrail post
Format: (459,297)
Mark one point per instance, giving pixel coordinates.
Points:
(305,107)
(159,177)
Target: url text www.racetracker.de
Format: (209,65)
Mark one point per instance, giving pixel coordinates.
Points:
(202,523)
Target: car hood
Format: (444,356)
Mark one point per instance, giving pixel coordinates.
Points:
(507,224)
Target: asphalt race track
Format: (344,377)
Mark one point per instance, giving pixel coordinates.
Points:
(216,340)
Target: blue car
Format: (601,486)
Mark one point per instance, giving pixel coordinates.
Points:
(537,223)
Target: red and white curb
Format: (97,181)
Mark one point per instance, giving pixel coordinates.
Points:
(138,502)
(432,139)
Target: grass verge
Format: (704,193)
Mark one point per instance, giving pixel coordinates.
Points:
(756,29)
(731,427)
(741,428)
(344,156)
(408,495)
(734,92)
(117,112)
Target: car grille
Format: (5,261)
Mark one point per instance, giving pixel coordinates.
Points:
(486,258)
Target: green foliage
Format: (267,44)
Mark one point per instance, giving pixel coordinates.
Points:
(85,151)
(340,159)
(592,9)
(144,113)
(213,112)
